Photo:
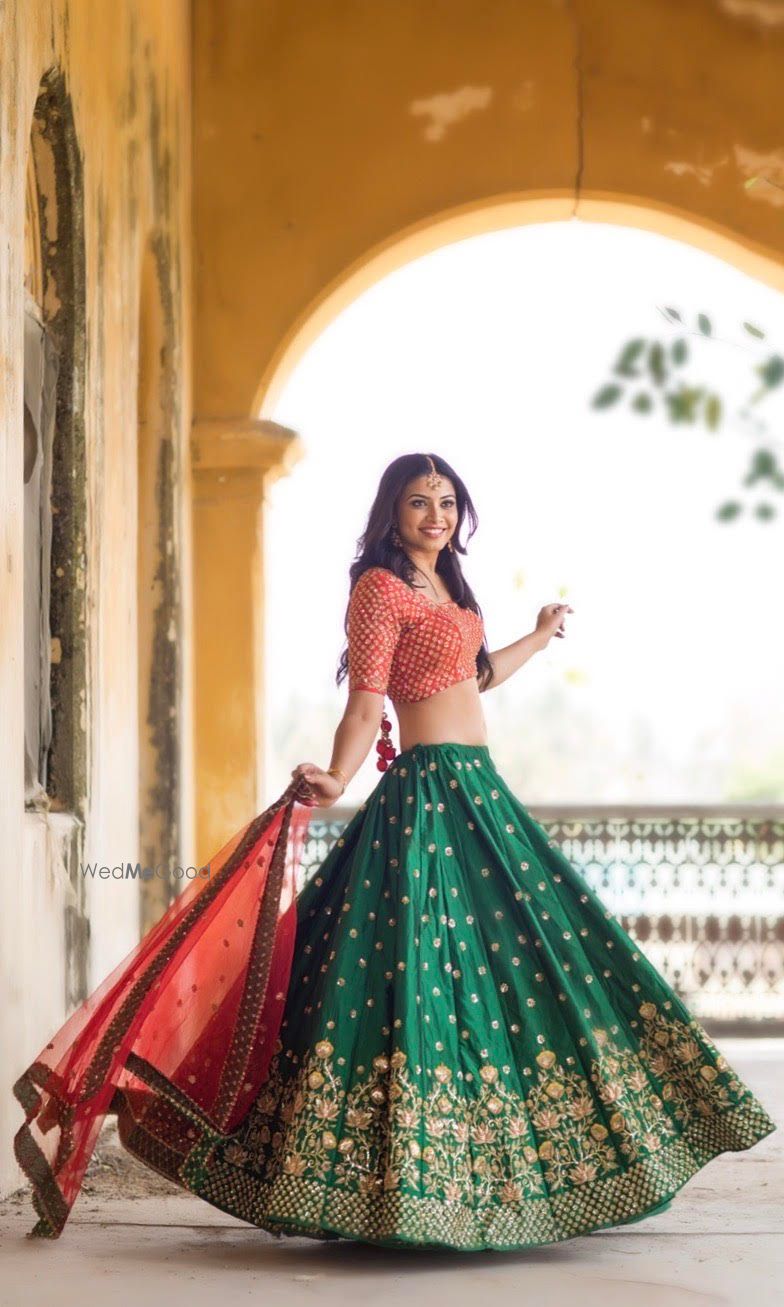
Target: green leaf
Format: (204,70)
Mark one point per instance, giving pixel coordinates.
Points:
(682,404)
(680,351)
(772,371)
(607,395)
(712,411)
(629,356)
(656,363)
(754,331)
(704,324)
(642,403)
(763,465)
(728,511)
(764,512)
(674,314)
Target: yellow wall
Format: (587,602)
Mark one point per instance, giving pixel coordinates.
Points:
(325,132)
(126,66)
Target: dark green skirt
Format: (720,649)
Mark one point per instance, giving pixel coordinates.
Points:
(474,1053)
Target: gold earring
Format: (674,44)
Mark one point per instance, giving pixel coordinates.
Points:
(396,538)
(450,546)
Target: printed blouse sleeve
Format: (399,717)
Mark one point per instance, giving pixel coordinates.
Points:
(374,623)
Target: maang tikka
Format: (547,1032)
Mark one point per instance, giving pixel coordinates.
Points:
(433,482)
(433,478)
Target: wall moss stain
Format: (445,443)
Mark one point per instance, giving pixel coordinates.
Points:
(59,177)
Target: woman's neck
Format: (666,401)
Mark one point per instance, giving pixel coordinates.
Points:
(423,563)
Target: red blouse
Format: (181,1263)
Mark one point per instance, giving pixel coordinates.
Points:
(405,645)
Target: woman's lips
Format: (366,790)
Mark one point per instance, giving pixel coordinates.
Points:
(433,531)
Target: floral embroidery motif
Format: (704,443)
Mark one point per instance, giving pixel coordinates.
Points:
(493,1145)
(405,645)
(692,1085)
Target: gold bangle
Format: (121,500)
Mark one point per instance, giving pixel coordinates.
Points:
(336,771)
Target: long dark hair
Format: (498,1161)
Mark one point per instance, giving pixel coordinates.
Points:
(375,547)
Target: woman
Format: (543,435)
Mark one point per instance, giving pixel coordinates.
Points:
(444,1039)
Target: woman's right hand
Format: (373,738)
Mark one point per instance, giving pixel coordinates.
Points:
(316,788)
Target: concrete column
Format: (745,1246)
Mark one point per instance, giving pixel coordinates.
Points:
(234,463)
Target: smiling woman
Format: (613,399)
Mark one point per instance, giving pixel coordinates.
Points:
(444,1039)
(414,627)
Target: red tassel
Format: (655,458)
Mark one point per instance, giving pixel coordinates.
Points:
(384,746)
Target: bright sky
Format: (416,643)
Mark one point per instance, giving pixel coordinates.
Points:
(488,352)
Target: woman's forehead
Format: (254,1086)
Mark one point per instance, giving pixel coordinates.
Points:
(418,485)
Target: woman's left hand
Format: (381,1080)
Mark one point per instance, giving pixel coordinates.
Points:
(550,621)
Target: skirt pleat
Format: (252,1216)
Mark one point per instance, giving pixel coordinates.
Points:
(473,1052)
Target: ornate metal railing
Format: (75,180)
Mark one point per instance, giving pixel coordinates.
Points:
(700,889)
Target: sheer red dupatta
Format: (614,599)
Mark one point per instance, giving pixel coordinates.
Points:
(178,1038)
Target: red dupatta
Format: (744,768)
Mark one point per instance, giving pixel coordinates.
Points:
(178,1038)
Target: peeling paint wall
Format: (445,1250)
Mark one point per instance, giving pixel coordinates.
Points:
(103,94)
(348,125)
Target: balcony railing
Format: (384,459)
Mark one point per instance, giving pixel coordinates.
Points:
(700,889)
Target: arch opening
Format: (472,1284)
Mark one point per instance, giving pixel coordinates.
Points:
(488,215)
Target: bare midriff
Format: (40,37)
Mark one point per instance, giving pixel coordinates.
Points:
(451,716)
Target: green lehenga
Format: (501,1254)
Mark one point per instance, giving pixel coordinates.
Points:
(473,1053)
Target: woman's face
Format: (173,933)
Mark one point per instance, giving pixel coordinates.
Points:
(427,518)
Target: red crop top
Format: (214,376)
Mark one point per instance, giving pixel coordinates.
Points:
(406,645)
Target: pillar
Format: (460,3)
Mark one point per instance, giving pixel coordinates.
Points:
(234,462)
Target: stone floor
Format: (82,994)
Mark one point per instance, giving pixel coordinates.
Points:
(133,1238)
